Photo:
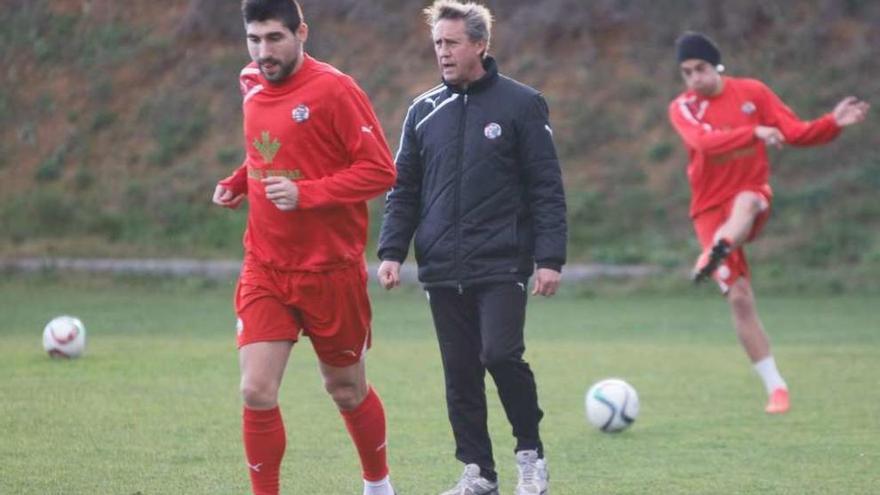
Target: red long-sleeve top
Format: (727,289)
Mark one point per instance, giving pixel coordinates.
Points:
(718,131)
(318,129)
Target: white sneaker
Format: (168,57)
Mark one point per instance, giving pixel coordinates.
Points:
(533,476)
(471,483)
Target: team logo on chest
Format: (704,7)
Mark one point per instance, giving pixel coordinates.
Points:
(267,146)
(748,108)
(300,114)
(492,130)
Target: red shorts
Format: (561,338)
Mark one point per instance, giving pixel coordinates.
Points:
(707,223)
(331,308)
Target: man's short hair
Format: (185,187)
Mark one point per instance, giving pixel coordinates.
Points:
(287,11)
(477,18)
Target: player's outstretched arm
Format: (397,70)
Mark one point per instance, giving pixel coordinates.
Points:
(850,111)
(799,132)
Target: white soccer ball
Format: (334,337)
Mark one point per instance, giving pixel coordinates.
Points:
(64,337)
(612,405)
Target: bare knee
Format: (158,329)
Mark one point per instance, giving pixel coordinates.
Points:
(749,203)
(346,395)
(259,395)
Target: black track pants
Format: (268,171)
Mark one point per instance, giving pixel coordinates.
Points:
(480,329)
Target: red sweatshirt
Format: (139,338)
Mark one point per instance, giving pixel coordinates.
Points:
(718,132)
(318,129)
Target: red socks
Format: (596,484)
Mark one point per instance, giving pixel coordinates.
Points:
(264,443)
(366,425)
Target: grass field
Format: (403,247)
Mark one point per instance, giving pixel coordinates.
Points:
(153,407)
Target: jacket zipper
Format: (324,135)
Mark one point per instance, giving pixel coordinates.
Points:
(461,137)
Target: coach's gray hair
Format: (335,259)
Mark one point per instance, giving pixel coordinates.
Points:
(477,18)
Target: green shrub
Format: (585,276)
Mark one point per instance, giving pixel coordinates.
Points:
(84,178)
(660,152)
(51,167)
(102,119)
(46,212)
(176,127)
(231,156)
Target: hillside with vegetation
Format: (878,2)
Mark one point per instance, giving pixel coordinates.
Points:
(117,118)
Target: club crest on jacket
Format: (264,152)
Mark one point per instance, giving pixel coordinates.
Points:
(492,130)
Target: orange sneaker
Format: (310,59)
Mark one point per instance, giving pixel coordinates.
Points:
(778,403)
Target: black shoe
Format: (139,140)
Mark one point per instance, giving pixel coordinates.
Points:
(706,266)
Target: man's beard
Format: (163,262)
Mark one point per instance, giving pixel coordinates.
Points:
(283,71)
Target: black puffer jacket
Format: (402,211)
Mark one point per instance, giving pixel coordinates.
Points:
(479,184)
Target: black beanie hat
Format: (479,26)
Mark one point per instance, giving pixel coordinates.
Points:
(695,45)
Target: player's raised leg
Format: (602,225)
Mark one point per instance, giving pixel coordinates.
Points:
(732,234)
(364,417)
(262,368)
(746,207)
(754,340)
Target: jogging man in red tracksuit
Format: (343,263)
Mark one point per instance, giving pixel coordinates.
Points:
(315,154)
(726,124)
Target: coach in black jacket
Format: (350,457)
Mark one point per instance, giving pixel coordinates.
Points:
(479,185)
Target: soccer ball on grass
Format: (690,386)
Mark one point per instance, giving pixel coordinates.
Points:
(64,337)
(612,405)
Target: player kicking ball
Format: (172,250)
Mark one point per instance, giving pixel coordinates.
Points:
(726,124)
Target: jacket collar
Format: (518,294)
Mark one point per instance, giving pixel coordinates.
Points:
(482,83)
